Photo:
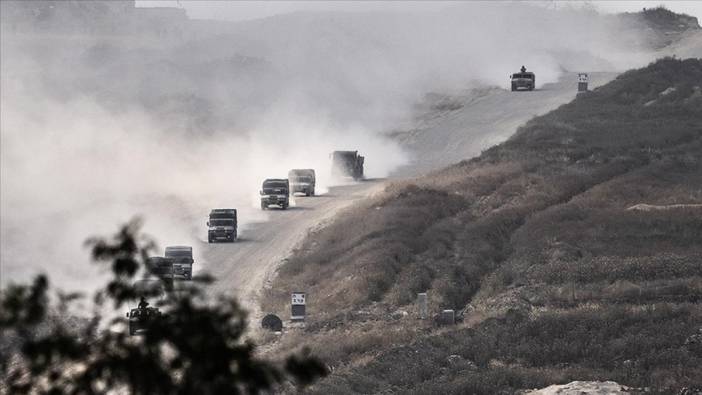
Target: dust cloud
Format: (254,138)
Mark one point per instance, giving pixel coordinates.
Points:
(110,111)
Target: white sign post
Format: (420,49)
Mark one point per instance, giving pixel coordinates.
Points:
(298,302)
(583,79)
(422,305)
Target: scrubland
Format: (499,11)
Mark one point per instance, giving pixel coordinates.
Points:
(534,243)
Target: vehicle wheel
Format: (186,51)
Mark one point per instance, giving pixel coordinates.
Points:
(307,193)
(131,332)
(209,239)
(514,88)
(531,88)
(263,206)
(312,193)
(285,206)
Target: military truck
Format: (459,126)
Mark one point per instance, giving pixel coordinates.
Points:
(302,181)
(159,269)
(523,80)
(347,164)
(275,191)
(182,258)
(141,318)
(222,225)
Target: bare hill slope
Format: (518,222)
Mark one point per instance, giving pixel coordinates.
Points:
(533,240)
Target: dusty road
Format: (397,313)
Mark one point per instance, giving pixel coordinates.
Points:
(485,118)
(242,268)
(478,120)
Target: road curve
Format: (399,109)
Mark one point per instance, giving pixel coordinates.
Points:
(486,117)
(243,268)
(480,119)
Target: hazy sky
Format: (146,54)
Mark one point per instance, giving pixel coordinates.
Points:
(243,10)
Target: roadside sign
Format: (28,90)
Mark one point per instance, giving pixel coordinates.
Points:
(583,79)
(298,298)
(298,302)
(422,305)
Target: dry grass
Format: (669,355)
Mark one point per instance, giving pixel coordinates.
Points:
(535,229)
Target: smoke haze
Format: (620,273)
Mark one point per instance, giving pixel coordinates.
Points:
(173,117)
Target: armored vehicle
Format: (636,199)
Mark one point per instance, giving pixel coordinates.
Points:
(523,80)
(222,225)
(347,164)
(275,191)
(141,318)
(302,181)
(182,258)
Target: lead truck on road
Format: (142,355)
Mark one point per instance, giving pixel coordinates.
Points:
(222,225)
(523,80)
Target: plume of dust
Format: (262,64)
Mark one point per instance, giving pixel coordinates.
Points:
(86,170)
(275,94)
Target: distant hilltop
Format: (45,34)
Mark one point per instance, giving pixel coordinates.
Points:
(661,26)
(98,17)
(665,19)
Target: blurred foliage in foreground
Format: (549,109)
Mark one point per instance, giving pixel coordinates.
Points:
(196,346)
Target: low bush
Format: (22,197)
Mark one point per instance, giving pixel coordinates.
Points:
(621,343)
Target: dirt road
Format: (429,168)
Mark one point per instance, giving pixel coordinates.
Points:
(242,268)
(485,118)
(460,127)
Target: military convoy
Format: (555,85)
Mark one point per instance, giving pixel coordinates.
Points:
(347,164)
(523,80)
(302,181)
(162,272)
(222,225)
(176,264)
(277,191)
